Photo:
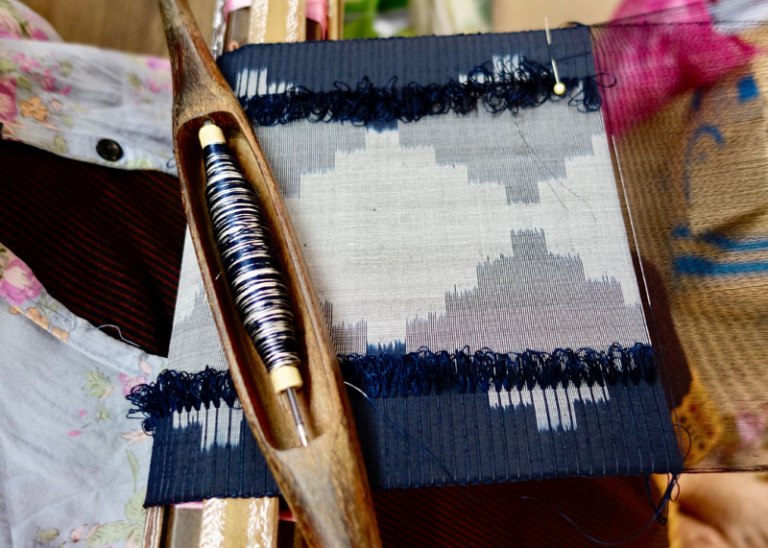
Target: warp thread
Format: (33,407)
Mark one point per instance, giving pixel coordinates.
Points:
(659,508)
(421,446)
(418,373)
(498,87)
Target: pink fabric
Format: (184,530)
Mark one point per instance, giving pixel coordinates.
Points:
(17,282)
(234,5)
(657,49)
(634,8)
(317,10)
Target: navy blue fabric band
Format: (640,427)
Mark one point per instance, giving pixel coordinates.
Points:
(405,80)
(405,437)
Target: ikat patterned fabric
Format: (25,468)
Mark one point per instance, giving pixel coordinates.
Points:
(463,228)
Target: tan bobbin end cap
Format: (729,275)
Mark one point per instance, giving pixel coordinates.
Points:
(210,134)
(285,377)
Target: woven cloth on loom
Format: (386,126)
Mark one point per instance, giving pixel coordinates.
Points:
(473,266)
(697,181)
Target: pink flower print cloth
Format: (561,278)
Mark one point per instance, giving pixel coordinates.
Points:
(17,282)
(657,49)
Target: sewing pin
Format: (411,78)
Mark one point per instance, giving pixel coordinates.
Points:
(559,88)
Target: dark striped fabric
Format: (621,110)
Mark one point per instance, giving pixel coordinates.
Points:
(105,242)
(533,513)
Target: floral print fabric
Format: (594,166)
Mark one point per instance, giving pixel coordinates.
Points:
(68,98)
(73,468)
(18,21)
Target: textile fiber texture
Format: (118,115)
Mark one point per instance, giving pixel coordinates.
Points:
(492,235)
(696,177)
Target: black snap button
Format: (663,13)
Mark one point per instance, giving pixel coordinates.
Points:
(110,150)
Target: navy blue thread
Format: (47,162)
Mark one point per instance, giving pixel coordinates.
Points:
(245,242)
(418,374)
(177,391)
(499,88)
(421,446)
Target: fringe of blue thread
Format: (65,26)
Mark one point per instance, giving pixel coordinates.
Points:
(417,374)
(498,87)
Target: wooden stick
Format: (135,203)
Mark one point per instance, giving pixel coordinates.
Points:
(325,483)
(335,19)
(154,527)
(277,21)
(232,523)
